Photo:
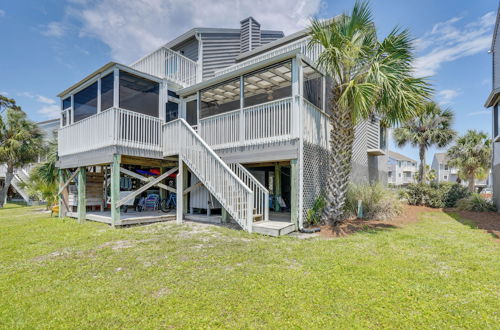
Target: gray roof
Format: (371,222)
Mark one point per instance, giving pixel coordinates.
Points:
(441,157)
(399,156)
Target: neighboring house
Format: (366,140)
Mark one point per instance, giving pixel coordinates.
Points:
(446,173)
(234,122)
(493,102)
(16,193)
(401,170)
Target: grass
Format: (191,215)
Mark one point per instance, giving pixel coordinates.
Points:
(58,274)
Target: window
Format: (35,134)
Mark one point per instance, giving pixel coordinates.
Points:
(172,94)
(407,174)
(313,86)
(269,84)
(389,174)
(445,177)
(171,111)
(85,102)
(139,94)
(399,174)
(66,103)
(446,167)
(107,85)
(220,98)
(191,113)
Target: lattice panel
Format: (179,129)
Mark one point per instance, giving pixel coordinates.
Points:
(315,170)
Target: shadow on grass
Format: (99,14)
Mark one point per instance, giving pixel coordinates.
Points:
(487,221)
(13,205)
(356,226)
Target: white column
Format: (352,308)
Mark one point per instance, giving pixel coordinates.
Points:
(72,119)
(116,88)
(180,191)
(242,104)
(99,95)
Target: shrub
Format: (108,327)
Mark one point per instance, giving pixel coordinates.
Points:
(435,195)
(476,203)
(455,193)
(378,202)
(314,213)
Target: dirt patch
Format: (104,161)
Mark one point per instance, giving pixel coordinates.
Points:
(487,221)
(410,215)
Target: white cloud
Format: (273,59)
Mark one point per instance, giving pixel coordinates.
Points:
(38,97)
(50,111)
(4,93)
(133,28)
(54,29)
(479,113)
(46,100)
(449,41)
(446,96)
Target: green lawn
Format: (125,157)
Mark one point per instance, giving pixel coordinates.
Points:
(59,274)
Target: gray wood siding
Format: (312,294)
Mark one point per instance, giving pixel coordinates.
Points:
(189,48)
(267,37)
(496,60)
(219,51)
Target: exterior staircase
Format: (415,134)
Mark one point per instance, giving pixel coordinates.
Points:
(244,198)
(20,176)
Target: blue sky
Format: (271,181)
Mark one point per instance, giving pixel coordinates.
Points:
(49,45)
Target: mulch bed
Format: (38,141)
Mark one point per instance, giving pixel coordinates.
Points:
(410,215)
(487,221)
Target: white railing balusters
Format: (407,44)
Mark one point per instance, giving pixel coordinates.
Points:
(311,53)
(168,64)
(111,127)
(260,193)
(180,138)
(315,125)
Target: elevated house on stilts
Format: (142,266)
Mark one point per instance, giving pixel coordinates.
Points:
(220,124)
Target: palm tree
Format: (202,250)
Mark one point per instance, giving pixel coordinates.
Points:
(20,144)
(370,77)
(430,175)
(431,126)
(472,156)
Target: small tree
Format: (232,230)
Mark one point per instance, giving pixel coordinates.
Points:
(430,175)
(431,126)
(43,179)
(472,156)
(20,143)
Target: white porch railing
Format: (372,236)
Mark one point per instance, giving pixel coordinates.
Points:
(302,44)
(234,195)
(263,123)
(260,193)
(168,64)
(315,124)
(222,131)
(111,127)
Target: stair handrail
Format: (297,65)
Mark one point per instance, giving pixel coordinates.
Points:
(247,221)
(261,193)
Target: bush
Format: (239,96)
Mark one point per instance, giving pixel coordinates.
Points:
(435,195)
(476,203)
(314,213)
(378,202)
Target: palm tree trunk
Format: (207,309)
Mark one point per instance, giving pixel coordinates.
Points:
(9,175)
(421,170)
(472,183)
(341,140)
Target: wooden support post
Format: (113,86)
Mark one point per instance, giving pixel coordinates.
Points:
(185,183)
(294,192)
(179,194)
(62,196)
(225,216)
(82,194)
(115,190)
(277,187)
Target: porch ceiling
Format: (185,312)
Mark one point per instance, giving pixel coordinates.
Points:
(255,83)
